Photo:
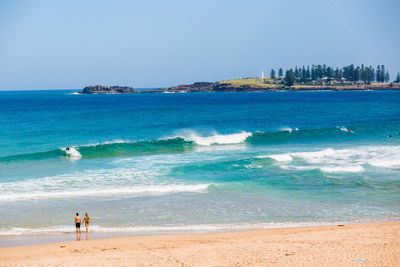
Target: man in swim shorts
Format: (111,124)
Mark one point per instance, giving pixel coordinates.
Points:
(77,223)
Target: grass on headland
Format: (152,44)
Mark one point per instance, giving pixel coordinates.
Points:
(252,82)
(279,83)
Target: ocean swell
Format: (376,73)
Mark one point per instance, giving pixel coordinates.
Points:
(186,141)
(118,148)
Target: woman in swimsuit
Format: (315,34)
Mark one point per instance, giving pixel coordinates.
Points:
(87,220)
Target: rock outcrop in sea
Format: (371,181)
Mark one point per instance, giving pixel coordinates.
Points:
(195,87)
(101,89)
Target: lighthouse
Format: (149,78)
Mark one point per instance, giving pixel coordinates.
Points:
(262,74)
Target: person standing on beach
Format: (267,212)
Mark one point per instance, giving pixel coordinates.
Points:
(87,220)
(77,223)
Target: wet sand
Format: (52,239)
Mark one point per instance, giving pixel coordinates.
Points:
(370,244)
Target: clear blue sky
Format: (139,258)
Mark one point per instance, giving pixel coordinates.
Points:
(70,44)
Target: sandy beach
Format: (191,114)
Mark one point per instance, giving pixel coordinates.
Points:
(370,244)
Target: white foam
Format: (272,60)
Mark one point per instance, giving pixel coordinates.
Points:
(341,160)
(142,177)
(356,168)
(388,163)
(215,139)
(330,160)
(281,157)
(154,229)
(297,168)
(252,166)
(316,156)
(129,191)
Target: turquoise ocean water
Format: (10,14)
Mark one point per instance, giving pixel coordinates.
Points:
(197,162)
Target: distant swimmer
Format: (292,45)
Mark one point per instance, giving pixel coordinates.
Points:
(390,136)
(77,223)
(67,149)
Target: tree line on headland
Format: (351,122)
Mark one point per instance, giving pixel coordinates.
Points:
(326,75)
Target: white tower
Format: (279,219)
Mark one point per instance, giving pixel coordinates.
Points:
(262,73)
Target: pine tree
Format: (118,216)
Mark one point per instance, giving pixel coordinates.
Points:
(378,74)
(314,73)
(362,74)
(369,74)
(324,71)
(319,72)
(337,74)
(383,73)
(289,78)
(272,75)
(357,74)
(303,75)
(372,74)
(397,78)
(351,72)
(296,72)
(280,73)
(387,77)
(329,72)
(348,72)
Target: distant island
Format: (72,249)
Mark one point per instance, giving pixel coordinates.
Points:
(316,77)
(101,89)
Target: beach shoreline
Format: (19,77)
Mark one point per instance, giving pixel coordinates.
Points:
(35,237)
(375,244)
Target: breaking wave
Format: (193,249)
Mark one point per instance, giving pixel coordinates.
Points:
(215,139)
(331,160)
(120,191)
(180,143)
(126,182)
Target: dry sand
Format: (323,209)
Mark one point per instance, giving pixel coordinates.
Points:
(378,244)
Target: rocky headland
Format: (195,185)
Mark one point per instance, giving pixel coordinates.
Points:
(241,85)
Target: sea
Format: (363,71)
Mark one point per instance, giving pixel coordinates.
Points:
(157,163)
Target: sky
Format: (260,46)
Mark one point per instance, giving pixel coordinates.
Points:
(69,44)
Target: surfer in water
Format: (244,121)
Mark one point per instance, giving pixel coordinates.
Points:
(72,153)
